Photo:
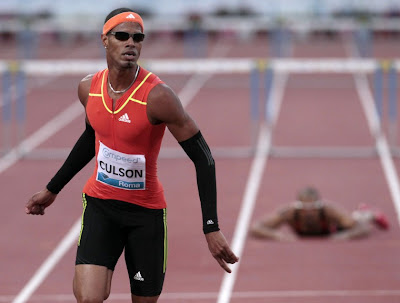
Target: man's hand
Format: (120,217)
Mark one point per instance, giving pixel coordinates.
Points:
(39,201)
(220,250)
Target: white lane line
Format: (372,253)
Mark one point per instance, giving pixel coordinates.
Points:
(40,136)
(251,190)
(48,265)
(382,146)
(246,211)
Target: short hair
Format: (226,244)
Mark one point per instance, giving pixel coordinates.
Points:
(116,12)
(308,193)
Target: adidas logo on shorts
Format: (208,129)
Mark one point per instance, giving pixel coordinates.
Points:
(138,277)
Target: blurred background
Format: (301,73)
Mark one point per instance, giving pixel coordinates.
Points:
(256,30)
(70,21)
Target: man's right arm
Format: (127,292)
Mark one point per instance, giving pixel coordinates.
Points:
(80,155)
(83,150)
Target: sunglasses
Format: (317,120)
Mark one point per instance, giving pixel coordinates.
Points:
(124,36)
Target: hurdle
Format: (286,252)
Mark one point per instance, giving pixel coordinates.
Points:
(13,85)
(377,69)
(6,109)
(261,72)
(392,100)
(32,68)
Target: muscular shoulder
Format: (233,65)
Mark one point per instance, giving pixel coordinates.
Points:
(84,88)
(163,105)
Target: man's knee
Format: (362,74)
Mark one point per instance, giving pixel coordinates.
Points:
(90,296)
(92,284)
(87,299)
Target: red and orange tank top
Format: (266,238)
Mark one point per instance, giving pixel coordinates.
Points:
(127,144)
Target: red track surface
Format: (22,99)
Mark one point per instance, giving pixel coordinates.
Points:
(304,271)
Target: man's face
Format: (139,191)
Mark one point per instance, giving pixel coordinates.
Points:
(123,53)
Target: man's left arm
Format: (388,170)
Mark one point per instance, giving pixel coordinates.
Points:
(198,151)
(165,107)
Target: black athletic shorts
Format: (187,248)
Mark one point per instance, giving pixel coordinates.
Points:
(110,226)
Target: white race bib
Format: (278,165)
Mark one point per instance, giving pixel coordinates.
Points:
(121,170)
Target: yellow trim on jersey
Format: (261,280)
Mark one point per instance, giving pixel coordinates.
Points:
(138,101)
(165,240)
(102,94)
(130,98)
(133,93)
(83,215)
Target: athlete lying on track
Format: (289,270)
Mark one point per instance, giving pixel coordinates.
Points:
(310,216)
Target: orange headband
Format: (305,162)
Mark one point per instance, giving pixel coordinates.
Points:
(121,18)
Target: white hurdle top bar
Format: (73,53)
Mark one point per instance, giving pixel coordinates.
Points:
(215,65)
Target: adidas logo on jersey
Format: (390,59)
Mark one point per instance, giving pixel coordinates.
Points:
(124,118)
(210,222)
(130,16)
(138,276)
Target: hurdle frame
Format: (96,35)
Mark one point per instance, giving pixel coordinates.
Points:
(261,76)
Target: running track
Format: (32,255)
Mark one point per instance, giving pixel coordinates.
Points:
(319,111)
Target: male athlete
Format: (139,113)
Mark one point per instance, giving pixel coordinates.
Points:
(127,110)
(310,216)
